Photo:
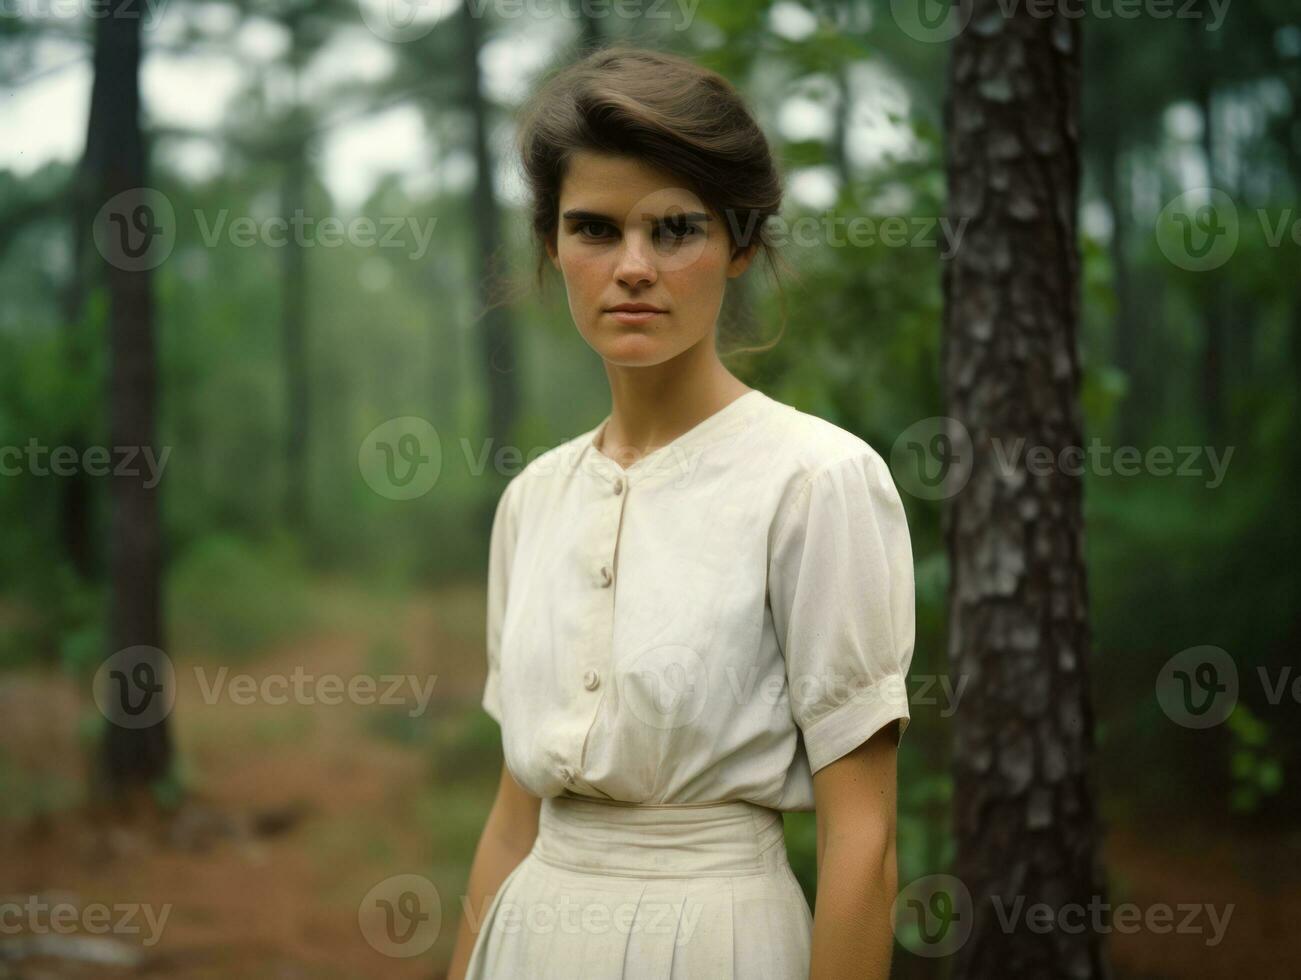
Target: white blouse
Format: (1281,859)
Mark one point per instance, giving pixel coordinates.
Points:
(718,621)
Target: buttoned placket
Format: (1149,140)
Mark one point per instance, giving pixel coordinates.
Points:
(592,667)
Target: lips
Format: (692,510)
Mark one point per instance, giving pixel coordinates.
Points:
(634,312)
(634,316)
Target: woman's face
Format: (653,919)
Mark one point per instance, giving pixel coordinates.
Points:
(630,234)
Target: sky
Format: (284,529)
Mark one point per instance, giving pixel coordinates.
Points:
(43,114)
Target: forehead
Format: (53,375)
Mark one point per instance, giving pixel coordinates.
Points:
(614,185)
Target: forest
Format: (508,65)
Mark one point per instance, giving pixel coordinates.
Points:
(271,347)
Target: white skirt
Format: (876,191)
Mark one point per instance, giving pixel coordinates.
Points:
(616,891)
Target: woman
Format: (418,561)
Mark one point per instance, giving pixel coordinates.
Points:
(701,610)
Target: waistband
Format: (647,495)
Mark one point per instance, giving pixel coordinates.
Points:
(729,838)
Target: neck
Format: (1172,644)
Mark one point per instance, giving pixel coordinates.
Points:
(652,406)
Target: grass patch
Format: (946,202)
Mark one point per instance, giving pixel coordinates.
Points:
(234,598)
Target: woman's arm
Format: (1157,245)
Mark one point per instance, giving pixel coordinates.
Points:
(854,798)
(508,836)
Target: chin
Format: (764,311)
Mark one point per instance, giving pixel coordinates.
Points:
(631,348)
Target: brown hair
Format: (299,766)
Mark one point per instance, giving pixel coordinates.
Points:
(666,111)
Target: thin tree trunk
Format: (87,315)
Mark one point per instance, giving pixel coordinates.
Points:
(840,126)
(1215,308)
(132,757)
(75,492)
(1025,825)
(498,348)
(1115,189)
(293,312)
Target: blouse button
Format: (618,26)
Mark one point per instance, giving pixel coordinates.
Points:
(606,576)
(618,486)
(590,680)
(566,775)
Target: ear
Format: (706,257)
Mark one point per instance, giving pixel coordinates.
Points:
(741,259)
(553,254)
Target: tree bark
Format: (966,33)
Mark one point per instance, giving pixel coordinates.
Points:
(1114,179)
(1025,825)
(293,312)
(498,344)
(132,757)
(1215,309)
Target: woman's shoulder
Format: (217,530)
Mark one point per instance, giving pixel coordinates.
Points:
(805,443)
(544,466)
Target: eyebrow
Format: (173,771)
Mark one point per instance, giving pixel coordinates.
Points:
(580,215)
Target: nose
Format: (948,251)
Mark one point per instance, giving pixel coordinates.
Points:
(636,266)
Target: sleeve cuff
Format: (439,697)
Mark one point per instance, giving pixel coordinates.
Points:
(855,720)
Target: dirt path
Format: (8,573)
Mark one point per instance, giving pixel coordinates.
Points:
(300,810)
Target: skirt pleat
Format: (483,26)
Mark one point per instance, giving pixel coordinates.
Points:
(620,892)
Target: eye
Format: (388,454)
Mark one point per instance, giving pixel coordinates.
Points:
(677,231)
(602,227)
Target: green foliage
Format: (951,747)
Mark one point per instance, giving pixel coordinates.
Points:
(235,598)
(399,722)
(1257,770)
(170,791)
(25,794)
(469,746)
(1172,562)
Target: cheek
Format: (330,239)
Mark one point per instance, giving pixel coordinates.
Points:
(583,270)
(707,274)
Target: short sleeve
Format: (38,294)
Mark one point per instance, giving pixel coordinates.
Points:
(501,551)
(841,590)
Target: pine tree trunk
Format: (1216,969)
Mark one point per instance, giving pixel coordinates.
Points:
(1025,825)
(498,344)
(132,757)
(294,293)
